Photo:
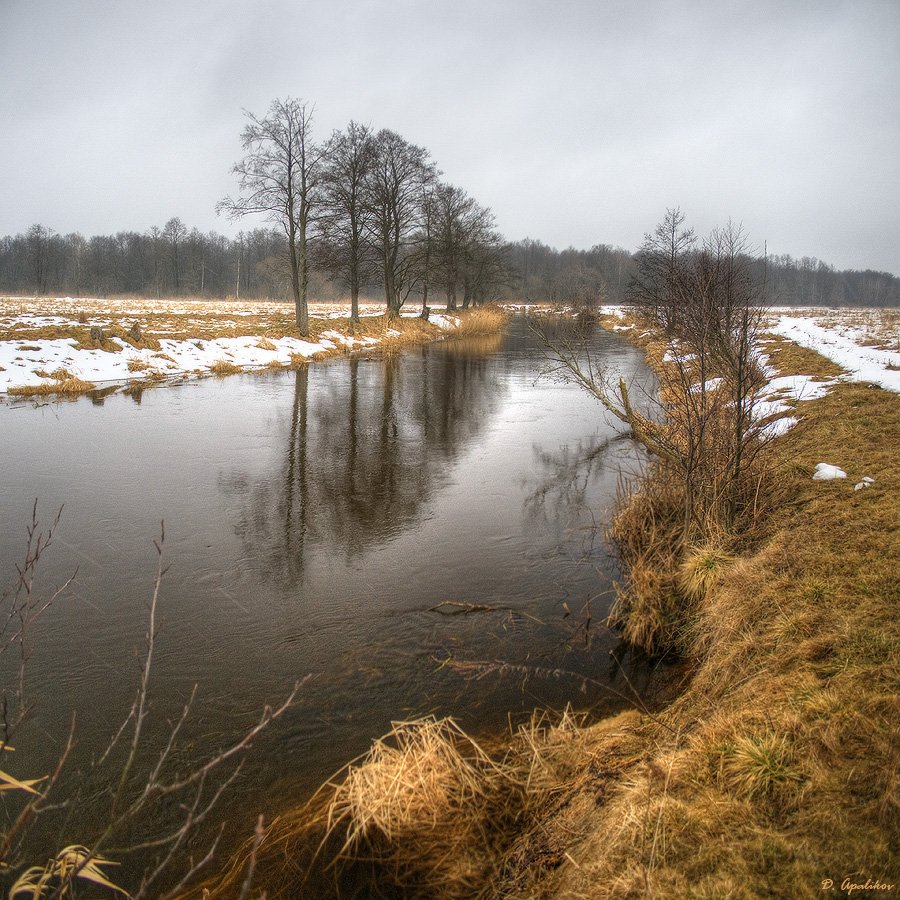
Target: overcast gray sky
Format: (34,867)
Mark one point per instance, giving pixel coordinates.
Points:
(577,122)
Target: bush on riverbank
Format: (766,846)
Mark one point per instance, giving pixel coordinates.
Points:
(707,483)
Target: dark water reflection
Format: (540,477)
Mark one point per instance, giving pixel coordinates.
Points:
(314,519)
(366,446)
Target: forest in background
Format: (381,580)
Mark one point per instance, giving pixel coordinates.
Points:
(179,261)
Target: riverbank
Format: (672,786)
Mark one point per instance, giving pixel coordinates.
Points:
(65,346)
(773,773)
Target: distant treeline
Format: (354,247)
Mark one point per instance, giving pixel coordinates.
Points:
(544,273)
(177,261)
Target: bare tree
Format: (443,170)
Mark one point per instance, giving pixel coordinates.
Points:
(704,428)
(279,178)
(394,189)
(484,260)
(453,205)
(656,286)
(345,254)
(468,250)
(425,251)
(173,234)
(38,238)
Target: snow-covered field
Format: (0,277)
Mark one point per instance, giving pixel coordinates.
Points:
(193,338)
(196,336)
(866,348)
(865,343)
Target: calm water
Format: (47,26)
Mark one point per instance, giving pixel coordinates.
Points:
(313,520)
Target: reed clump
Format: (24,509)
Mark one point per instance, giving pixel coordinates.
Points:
(481,320)
(427,812)
(430,788)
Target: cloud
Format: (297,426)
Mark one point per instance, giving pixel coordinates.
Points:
(577,122)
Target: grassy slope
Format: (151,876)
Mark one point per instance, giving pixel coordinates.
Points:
(778,765)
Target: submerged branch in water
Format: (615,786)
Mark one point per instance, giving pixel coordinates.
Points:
(459,608)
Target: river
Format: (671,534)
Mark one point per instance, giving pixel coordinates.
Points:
(342,522)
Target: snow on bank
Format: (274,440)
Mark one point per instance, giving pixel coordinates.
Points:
(22,360)
(840,342)
(31,362)
(781,394)
(444,322)
(827,472)
(862,363)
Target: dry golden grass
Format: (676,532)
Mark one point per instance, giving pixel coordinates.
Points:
(701,568)
(57,877)
(223,367)
(481,320)
(64,383)
(421,774)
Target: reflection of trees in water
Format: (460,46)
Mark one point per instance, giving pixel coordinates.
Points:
(367,442)
(562,488)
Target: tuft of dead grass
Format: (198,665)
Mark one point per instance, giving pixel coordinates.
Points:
(64,383)
(223,367)
(701,568)
(758,765)
(421,774)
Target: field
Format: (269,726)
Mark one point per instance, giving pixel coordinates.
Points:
(65,345)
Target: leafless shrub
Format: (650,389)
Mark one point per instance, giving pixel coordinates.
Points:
(702,431)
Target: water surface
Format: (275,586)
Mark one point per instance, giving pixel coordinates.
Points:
(313,522)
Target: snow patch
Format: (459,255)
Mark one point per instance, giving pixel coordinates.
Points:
(444,322)
(868,364)
(827,472)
